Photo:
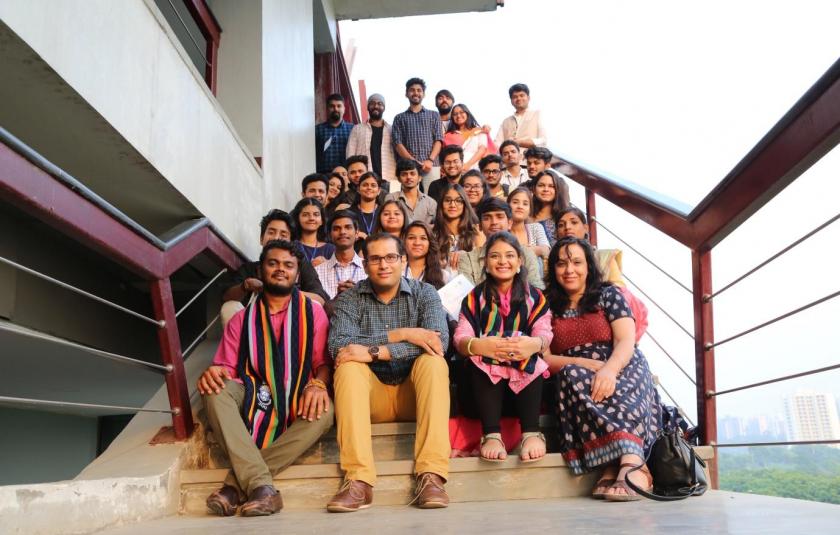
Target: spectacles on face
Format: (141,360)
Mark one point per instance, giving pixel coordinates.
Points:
(492,171)
(456,200)
(471,186)
(391,258)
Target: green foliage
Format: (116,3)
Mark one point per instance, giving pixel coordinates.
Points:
(804,472)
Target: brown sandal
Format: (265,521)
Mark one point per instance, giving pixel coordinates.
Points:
(631,495)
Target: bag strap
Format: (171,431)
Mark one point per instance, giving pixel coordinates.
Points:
(688,491)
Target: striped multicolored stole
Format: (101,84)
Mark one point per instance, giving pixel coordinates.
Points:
(486,319)
(274,371)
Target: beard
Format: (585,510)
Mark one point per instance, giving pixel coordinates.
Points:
(277,289)
(335,116)
(375,114)
(444,109)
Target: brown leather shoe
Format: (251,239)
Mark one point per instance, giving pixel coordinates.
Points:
(429,492)
(264,500)
(224,501)
(352,496)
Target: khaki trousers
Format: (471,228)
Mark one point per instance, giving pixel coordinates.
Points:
(253,467)
(423,396)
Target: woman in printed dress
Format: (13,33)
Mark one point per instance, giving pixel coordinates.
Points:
(608,407)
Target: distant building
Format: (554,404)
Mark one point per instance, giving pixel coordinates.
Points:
(811,416)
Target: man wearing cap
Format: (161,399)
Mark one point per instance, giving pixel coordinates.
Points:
(373,139)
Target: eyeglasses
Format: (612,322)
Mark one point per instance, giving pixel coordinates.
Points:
(492,171)
(456,200)
(472,186)
(391,258)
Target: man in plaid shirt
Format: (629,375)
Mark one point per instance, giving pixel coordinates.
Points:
(331,136)
(417,133)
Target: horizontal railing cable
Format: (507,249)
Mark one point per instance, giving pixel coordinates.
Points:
(93,350)
(70,404)
(776,380)
(649,261)
(189,348)
(674,401)
(186,29)
(774,320)
(783,443)
(775,256)
(201,291)
(159,323)
(677,364)
(670,317)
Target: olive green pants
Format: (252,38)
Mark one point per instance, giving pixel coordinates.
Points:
(254,467)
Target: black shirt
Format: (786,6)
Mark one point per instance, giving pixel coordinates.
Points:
(307,282)
(436,188)
(376,150)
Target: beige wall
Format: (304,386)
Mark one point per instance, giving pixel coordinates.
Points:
(123,59)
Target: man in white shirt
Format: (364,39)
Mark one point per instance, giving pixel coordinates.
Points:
(345,268)
(373,139)
(524,126)
(513,175)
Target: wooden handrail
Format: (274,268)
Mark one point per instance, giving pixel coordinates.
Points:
(809,130)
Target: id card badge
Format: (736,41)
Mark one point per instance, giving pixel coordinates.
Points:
(264,402)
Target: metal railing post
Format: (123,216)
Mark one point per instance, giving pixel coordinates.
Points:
(170,350)
(590,216)
(701,276)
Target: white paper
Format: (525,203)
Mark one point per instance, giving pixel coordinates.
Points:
(454,293)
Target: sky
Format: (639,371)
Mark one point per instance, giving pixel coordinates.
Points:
(670,96)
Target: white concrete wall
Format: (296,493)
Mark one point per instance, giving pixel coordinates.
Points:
(239,76)
(288,98)
(124,60)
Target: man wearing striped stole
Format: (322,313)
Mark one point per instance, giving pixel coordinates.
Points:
(266,392)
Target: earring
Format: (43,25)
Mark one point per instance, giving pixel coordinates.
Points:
(519,269)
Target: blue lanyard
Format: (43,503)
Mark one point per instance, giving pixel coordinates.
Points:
(352,276)
(368,226)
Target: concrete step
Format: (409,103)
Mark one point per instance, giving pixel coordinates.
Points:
(471,479)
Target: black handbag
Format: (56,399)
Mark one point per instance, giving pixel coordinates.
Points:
(676,469)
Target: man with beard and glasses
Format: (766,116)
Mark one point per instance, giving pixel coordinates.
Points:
(443,102)
(331,136)
(418,133)
(388,337)
(373,139)
(452,159)
(266,393)
(491,170)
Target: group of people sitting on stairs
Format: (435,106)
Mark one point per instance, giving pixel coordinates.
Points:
(340,320)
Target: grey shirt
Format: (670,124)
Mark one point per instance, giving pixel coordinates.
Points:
(424,210)
(471,265)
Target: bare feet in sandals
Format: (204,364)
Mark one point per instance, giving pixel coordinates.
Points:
(532,447)
(605,482)
(620,491)
(492,447)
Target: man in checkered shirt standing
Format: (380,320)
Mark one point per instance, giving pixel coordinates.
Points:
(417,133)
(331,136)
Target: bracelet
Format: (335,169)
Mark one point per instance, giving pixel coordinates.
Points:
(469,346)
(542,345)
(317,383)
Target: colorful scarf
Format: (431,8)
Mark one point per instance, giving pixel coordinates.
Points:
(486,320)
(274,371)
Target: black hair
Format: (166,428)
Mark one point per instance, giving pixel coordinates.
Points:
(407,165)
(379,236)
(451,149)
(343,181)
(487,160)
(356,158)
(446,92)
(415,81)
(314,177)
(520,279)
(520,190)
(365,176)
(485,189)
(434,266)
(341,214)
(494,205)
(276,215)
(285,245)
(377,225)
(515,88)
(561,193)
(467,226)
(471,122)
(301,204)
(541,153)
(335,97)
(507,143)
(556,295)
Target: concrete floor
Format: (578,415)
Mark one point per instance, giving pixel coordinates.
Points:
(716,512)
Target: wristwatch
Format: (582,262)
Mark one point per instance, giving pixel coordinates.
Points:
(374,353)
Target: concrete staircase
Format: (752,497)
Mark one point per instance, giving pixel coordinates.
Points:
(316,476)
